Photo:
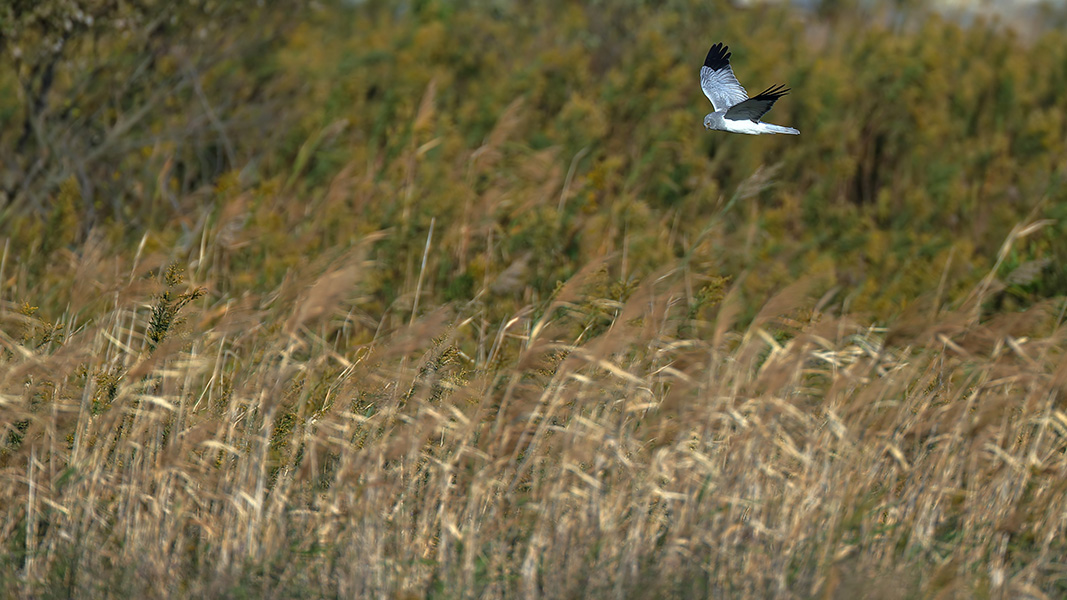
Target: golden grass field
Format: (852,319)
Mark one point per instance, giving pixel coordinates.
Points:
(549,344)
(247,447)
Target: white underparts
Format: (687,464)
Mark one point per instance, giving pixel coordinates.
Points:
(756,127)
(717,122)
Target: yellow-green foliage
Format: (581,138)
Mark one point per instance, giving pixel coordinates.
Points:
(450,299)
(574,133)
(170,302)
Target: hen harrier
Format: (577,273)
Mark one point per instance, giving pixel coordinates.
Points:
(734,110)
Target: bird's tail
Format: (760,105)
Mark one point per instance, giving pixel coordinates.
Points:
(771,128)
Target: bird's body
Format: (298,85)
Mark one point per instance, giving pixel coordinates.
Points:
(734,110)
(719,122)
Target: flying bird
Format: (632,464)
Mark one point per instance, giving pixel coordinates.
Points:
(734,110)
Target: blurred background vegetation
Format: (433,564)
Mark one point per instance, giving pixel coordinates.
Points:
(535,139)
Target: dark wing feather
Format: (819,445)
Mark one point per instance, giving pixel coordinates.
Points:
(756,106)
(718,57)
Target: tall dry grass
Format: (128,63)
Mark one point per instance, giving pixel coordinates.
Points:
(287,446)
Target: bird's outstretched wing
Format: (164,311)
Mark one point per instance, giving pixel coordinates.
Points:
(718,81)
(757,106)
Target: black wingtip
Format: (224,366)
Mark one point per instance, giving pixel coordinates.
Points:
(773,93)
(718,57)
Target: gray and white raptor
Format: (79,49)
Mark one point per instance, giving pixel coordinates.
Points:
(734,110)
